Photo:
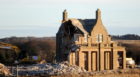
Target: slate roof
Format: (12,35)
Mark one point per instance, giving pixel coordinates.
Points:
(88,24)
(85,25)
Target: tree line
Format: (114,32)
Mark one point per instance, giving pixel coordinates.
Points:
(126,37)
(29,46)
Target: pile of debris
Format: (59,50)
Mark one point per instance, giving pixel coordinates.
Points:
(61,69)
(4,70)
(50,69)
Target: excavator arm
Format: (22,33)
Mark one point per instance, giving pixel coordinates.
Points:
(9,47)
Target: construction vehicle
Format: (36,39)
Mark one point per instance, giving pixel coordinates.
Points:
(9,47)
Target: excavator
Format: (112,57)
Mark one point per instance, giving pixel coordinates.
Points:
(9,47)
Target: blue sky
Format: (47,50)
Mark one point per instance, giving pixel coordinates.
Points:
(42,18)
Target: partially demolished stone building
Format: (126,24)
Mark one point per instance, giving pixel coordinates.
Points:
(86,43)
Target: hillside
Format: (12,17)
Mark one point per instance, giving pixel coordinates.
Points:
(126,37)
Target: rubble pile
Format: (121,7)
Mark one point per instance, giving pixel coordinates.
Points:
(50,69)
(60,69)
(4,70)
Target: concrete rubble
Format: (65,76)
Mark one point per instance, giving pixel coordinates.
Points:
(58,69)
(49,69)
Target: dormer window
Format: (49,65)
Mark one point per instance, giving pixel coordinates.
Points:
(99,38)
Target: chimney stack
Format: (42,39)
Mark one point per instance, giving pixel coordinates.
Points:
(98,14)
(65,16)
